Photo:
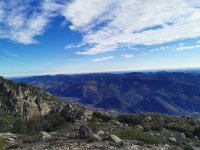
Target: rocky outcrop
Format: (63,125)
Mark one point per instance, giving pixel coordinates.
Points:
(26,101)
(73,112)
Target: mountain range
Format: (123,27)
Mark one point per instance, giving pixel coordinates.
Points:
(165,92)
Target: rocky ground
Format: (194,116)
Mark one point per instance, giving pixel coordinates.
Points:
(100,135)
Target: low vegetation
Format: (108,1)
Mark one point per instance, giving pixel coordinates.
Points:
(96,125)
(3,142)
(138,135)
(102,117)
(187,130)
(21,126)
(196,132)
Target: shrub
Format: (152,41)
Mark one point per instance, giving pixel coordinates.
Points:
(6,123)
(56,121)
(196,131)
(19,127)
(47,123)
(138,135)
(156,128)
(3,142)
(96,125)
(103,117)
(180,128)
(130,119)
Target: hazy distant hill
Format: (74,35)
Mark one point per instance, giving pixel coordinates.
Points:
(172,93)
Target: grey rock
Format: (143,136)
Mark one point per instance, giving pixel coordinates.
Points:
(115,139)
(180,136)
(95,137)
(100,132)
(114,122)
(85,131)
(45,135)
(172,139)
(139,127)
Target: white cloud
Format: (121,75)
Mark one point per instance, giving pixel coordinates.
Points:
(127,55)
(132,22)
(182,48)
(21,22)
(106,25)
(84,14)
(103,59)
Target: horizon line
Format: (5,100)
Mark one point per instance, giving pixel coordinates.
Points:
(114,71)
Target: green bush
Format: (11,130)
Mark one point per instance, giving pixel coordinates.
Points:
(56,121)
(47,123)
(130,119)
(103,117)
(138,135)
(196,131)
(187,130)
(3,142)
(6,123)
(156,128)
(19,127)
(96,125)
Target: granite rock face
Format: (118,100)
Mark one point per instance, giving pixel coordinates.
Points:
(26,101)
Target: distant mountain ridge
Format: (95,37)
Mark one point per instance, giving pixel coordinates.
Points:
(171,93)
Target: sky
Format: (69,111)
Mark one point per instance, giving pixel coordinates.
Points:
(82,36)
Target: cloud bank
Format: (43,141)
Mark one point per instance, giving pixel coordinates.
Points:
(106,25)
(109,24)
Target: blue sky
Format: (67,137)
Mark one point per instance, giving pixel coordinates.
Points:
(81,36)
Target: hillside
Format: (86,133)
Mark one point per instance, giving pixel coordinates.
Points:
(32,118)
(170,93)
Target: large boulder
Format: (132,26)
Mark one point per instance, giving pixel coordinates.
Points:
(85,132)
(180,136)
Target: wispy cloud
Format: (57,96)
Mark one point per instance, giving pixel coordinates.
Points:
(21,22)
(182,48)
(106,25)
(127,56)
(103,59)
